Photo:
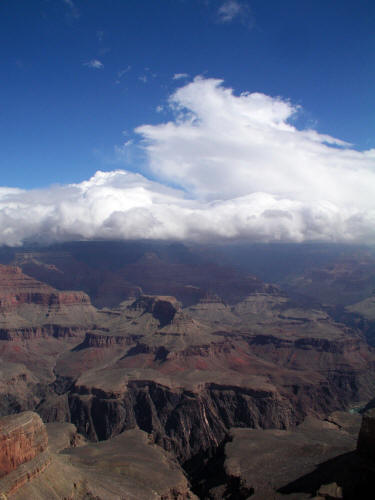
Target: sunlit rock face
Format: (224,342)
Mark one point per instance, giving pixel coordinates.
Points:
(23,437)
(24,451)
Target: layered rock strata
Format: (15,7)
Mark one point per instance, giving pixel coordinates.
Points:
(23,450)
(17,289)
(23,437)
(129,466)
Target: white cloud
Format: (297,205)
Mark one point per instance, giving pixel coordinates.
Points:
(232,9)
(121,204)
(224,146)
(243,169)
(94,63)
(179,76)
(143,78)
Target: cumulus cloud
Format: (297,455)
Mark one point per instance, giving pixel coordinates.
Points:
(239,169)
(86,210)
(225,146)
(120,204)
(94,63)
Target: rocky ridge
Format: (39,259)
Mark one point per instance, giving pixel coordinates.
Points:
(129,466)
(23,450)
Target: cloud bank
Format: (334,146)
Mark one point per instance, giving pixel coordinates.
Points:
(239,169)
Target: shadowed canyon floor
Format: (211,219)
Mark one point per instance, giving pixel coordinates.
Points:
(183,358)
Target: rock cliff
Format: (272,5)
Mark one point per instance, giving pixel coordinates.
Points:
(128,466)
(17,289)
(23,437)
(23,450)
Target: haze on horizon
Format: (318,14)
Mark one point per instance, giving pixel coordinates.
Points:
(202,157)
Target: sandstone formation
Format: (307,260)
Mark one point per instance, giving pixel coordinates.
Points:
(31,309)
(23,450)
(23,437)
(129,466)
(17,289)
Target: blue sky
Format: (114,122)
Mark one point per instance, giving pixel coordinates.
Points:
(62,117)
(187,119)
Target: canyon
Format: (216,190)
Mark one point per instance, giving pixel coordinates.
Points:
(158,362)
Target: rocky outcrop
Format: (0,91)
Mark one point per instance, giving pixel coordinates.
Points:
(31,310)
(26,472)
(23,437)
(23,450)
(19,389)
(128,466)
(162,308)
(17,289)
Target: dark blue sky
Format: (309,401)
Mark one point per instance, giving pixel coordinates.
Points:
(76,74)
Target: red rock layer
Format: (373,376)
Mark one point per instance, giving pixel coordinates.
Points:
(23,474)
(17,288)
(22,438)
